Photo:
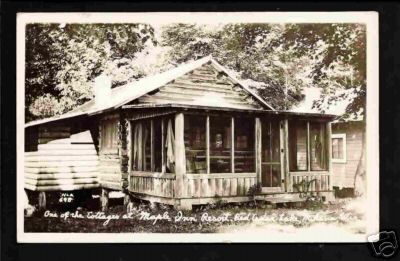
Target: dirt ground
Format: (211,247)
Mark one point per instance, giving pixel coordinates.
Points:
(344,216)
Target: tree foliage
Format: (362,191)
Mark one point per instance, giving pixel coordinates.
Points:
(283,58)
(63,59)
(339,55)
(279,60)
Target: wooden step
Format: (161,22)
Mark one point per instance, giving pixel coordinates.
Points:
(287,198)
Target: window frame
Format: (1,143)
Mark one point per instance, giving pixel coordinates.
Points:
(233,142)
(231,120)
(308,148)
(308,161)
(163,154)
(344,147)
(206,142)
(252,121)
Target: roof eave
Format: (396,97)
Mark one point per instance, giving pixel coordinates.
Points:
(209,108)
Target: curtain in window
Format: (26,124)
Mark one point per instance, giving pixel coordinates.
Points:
(169,144)
(137,147)
(318,151)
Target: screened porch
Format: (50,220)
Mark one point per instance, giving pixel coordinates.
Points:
(200,155)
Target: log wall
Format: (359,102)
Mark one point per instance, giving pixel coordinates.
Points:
(63,161)
(110,172)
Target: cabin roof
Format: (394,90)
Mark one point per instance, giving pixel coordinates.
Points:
(134,90)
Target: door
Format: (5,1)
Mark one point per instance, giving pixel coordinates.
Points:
(271,150)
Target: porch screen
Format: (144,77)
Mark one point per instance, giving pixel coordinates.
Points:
(220,144)
(157,145)
(318,146)
(244,145)
(298,145)
(271,156)
(141,146)
(195,144)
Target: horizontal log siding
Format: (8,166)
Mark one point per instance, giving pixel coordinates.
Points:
(198,87)
(110,174)
(110,171)
(61,163)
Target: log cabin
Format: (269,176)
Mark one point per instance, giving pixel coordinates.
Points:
(189,136)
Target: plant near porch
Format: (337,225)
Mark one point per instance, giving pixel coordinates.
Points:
(304,187)
(254,191)
(312,202)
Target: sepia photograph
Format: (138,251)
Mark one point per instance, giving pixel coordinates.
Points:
(211,127)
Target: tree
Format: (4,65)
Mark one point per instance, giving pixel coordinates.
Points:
(63,59)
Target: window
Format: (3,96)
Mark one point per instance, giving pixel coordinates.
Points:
(195,144)
(215,144)
(317,146)
(141,146)
(339,148)
(307,146)
(244,145)
(220,144)
(151,149)
(298,145)
(109,135)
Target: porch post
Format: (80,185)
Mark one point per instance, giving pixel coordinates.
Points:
(180,161)
(123,150)
(208,144)
(288,180)
(258,148)
(329,144)
(42,200)
(282,144)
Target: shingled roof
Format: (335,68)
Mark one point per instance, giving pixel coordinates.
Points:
(127,93)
